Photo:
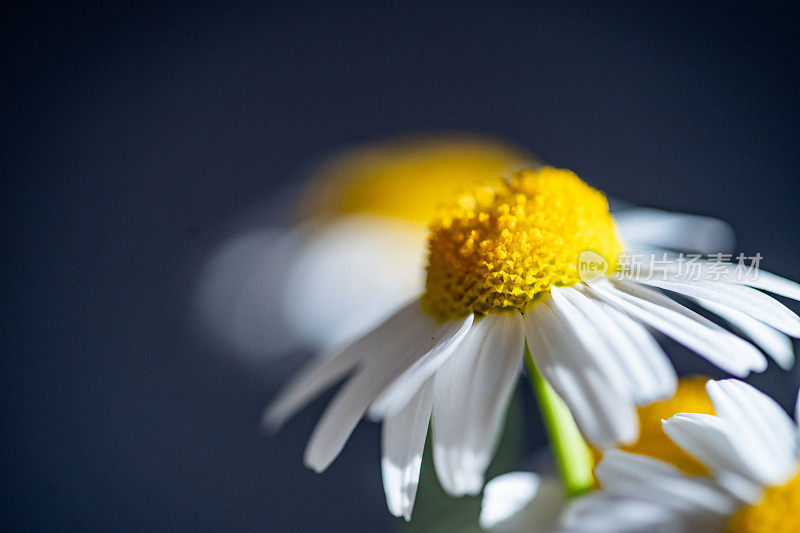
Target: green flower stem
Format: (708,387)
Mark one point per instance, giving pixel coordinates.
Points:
(572,454)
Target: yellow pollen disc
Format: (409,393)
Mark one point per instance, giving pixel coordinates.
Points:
(503,243)
(690,397)
(407,178)
(778,512)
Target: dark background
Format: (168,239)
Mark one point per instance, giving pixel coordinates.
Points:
(133,133)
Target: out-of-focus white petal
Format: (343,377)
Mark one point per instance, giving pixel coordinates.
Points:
(677,231)
(522,501)
(748,300)
(713,442)
(599,512)
(761,425)
(774,343)
(428,338)
(694,331)
(402,441)
(349,275)
(270,291)
(471,393)
(240,289)
(639,477)
(568,358)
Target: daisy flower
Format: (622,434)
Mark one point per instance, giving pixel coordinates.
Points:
(751,449)
(503,273)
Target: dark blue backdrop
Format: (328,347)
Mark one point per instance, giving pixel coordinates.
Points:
(132,133)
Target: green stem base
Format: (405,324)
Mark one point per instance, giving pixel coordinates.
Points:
(572,454)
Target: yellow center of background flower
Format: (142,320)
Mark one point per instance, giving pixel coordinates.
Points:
(503,243)
(690,397)
(778,511)
(407,178)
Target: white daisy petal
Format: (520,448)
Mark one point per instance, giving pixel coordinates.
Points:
(403,439)
(640,477)
(678,231)
(351,402)
(350,274)
(522,501)
(694,331)
(774,343)
(398,393)
(713,442)
(239,287)
(579,373)
(598,512)
(328,369)
(344,412)
(759,279)
(755,303)
(774,284)
(761,425)
(471,393)
(728,273)
(585,316)
(649,375)
(647,348)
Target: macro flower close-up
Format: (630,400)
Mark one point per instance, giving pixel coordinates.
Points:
(444,267)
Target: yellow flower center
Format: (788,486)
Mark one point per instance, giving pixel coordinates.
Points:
(407,178)
(778,511)
(690,397)
(503,243)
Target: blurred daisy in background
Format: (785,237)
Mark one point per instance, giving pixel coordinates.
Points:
(354,253)
(503,273)
(727,460)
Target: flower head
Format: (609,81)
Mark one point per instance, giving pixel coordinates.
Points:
(751,450)
(507,241)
